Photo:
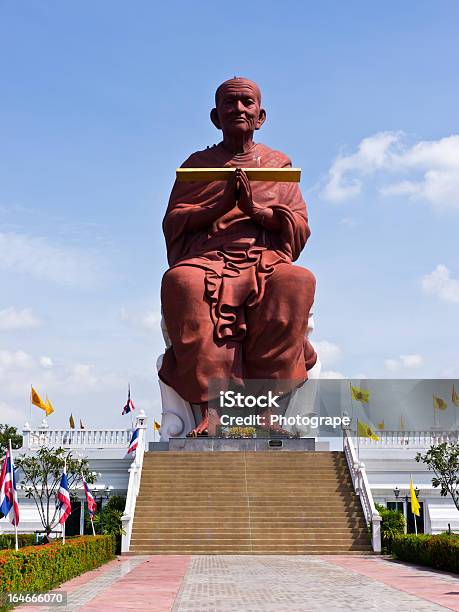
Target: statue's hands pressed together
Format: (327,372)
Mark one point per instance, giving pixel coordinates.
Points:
(229,197)
(243,192)
(262,215)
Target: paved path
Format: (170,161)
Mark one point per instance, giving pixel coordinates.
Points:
(246,583)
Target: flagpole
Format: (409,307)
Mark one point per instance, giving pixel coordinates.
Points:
(63,524)
(357,426)
(411,504)
(30,399)
(13,491)
(435,412)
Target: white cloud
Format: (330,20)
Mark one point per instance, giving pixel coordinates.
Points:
(344,176)
(331,374)
(35,257)
(9,415)
(429,169)
(440,283)
(403,362)
(18,370)
(46,362)
(328,352)
(15,360)
(148,320)
(13,319)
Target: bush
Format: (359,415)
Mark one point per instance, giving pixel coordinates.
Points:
(392,524)
(40,568)
(7,540)
(109,523)
(439,551)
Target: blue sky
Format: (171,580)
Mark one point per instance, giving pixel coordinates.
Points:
(101,101)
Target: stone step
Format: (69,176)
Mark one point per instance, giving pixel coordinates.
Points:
(211,480)
(255,500)
(355,553)
(243,542)
(262,549)
(256,510)
(299,498)
(190,532)
(278,518)
(248,503)
(311,522)
(241,505)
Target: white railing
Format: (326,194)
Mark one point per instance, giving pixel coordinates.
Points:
(34,439)
(135,474)
(362,489)
(409,439)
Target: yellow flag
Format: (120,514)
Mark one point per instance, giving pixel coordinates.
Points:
(402,423)
(36,399)
(455,397)
(156,425)
(365,431)
(359,395)
(48,407)
(72,421)
(381,426)
(439,403)
(414,500)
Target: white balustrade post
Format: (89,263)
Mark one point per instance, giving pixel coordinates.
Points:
(376,532)
(135,474)
(362,488)
(26,436)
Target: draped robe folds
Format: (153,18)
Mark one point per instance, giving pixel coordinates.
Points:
(234,305)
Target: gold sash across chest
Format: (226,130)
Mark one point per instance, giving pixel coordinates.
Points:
(207,175)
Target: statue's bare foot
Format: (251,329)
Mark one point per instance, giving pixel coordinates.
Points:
(202,429)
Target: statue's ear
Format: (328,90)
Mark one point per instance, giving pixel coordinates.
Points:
(261,118)
(215,118)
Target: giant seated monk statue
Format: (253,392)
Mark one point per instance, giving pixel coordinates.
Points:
(234,304)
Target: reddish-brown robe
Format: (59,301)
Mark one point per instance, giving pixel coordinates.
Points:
(234,304)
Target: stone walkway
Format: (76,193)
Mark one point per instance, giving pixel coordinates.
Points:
(247,583)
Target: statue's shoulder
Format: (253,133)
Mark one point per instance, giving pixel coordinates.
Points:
(201,159)
(273,158)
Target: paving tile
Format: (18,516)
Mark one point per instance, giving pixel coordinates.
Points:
(285,584)
(259,583)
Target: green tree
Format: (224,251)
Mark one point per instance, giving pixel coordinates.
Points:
(8,432)
(443,460)
(42,473)
(108,521)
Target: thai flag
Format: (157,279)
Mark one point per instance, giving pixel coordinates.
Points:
(63,498)
(92,506)
(9,506)
(129,404)
(134,441)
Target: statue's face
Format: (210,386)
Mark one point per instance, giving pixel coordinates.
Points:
(238,109)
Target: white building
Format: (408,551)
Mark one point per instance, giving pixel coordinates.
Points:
(390,464)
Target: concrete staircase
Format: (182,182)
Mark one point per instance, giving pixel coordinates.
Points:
(276,502)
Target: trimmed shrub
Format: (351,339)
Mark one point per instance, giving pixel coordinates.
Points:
(8,540)
(392,524)
(439,551)
(40,568)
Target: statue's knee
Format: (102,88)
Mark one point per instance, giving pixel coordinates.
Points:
(296,277)
(307,279)
(182,283)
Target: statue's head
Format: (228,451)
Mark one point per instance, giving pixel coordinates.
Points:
(238,107)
